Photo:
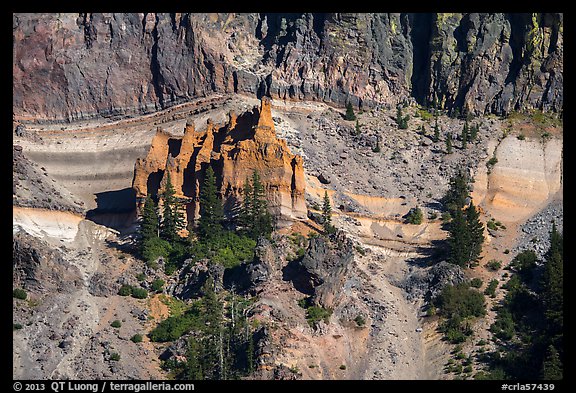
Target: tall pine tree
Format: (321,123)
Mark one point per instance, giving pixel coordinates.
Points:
(150,224)
(327,214)
(455,198)
(211,209)
(476,233)
(172,216)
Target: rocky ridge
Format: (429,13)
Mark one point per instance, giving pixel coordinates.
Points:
(246,143)
(480,62)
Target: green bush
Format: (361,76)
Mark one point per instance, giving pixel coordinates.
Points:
(476,282)
(360,321)
(116,323)
(315,314)
(141,277)
(503,327)
(172,328)
(17,326)
(461,300)
(154,248)
(342,367)
(494,265)
(414,216)
(115,356)
(137,338)
(491,288)
(19,293)
(125,290)
(158,285)
(139,293)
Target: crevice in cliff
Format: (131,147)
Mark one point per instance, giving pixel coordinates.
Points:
(155,68)
(420,36)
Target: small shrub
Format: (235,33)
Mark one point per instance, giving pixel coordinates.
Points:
(481,342)
(125,290)
(19,293)
(506,251)
(476,282)
(360,250)
(414,216)
(139,293)
(116,323)
(16,326)
(342,367)
(521,137)
(315,314)
(468,369)
(360,321)
(491,288)
(158,285)
(137,338)
(141,277)
(154,248)
(494,265)
(115,356)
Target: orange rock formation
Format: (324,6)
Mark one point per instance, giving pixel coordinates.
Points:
(245,143)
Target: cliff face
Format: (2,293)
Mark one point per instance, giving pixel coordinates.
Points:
(70,66)
(246,143)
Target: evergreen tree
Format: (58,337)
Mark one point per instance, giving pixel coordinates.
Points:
(211,209)
(448,144)
(456,196)
(349,112)
(553,284)
(474,131)
(458,240)
(194,357)
(150,225)
(552,365)
(212,344)
(262,219)
(254,218)
(357,128)
(436,131)
(327,214)
(172,217)
(377,149)
(464,135)
(476,233)
(245,216)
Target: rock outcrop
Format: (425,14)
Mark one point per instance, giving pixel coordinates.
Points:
(486,63)
(246,143)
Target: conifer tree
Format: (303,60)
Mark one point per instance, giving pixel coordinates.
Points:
(458,240)
(150,225)
(448,144)
(357,128)
(474,131)
(327,214)
(464,135)
(457,194)
(552,365)
(254,218)
(211,209)
(262,219)
(436,131)
(172,217)
(476,233)
(349,112)
(245,216)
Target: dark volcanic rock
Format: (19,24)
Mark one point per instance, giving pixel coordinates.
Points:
(427,283)
(38,267)
(483,62)
(324,267)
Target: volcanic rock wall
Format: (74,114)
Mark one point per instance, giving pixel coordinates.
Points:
(246,143)
(81,66)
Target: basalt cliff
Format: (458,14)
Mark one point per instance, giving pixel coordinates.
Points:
(244,144)
(479,62)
